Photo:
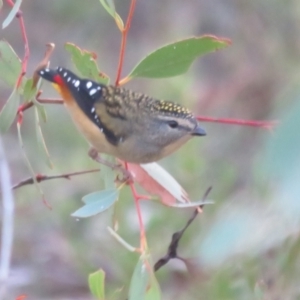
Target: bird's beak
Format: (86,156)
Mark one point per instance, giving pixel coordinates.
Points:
(198,131)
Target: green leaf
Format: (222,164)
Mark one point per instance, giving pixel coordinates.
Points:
(96,203)
(121,240)
(9,111)
(175,59)
(139,280)
(12,14)
(96,284)
(28,164)
(86,64)
(41,141)
(109,6)
(153,292)
(29,92)
(10,64)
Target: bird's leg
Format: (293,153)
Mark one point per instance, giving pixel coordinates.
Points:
(94,154)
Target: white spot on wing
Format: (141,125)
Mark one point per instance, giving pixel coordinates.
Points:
(69,78)
(59,69)
(42,72)
(93,110)
(92,92)
(89,84)
(77,83)
(47,70)
(65,74)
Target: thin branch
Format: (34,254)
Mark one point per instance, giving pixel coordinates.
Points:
(137,198)
(252,123)
(124,40)
(41,177)
(176,237)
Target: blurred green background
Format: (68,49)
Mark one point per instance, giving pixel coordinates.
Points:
(245,246)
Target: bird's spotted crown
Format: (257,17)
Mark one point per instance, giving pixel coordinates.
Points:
(170,108)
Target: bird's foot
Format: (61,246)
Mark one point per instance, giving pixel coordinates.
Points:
(127,177)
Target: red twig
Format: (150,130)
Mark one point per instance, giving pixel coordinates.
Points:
(19,15)
(28,105)
(123,41)
(40,177)
(137,198)
(252,123)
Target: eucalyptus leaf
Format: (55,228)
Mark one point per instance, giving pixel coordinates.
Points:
(109,6)
(192,204)
(41,141)
(9,111)
(86,64)
(139,281)
(96,284)
(175,59)
(96,203)
(166,180)
(29,92)
(12,14)
(153,292)
(10,64)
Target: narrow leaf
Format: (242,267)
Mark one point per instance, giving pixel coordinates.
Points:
(9,111)
(96,284)
(28,164)
(166,180)
(29,92)
(86,64)
(96,203)
(175,59)
(153,292)
(109,6)
(96,196)
(139,280)
(121,240)
(12,14)
(41,141)
(10,64)
(38,105)
(191,204)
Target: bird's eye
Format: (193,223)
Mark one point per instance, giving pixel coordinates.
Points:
(173,124)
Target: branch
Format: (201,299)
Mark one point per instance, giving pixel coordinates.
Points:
(41,177)
(176,237)
(123,41)
(252,123)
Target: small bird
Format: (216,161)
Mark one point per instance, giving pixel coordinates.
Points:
(128,125)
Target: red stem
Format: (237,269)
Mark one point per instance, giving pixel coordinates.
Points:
(19,15)
(252,123)
(137,198)
(124,40)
